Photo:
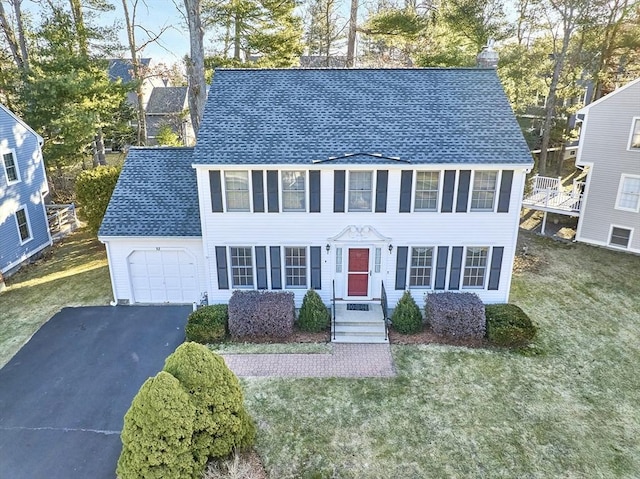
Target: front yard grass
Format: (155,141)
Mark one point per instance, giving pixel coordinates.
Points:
(567,408)
(73,273)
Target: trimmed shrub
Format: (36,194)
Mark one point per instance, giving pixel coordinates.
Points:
(406,317)
(261,313)
(93,192)
(221,422)
(459,315)
(207,324)
(508,325)
(314,315)
(157,432)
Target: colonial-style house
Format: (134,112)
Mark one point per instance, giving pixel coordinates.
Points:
(24,230)
(610,148)
(358,183)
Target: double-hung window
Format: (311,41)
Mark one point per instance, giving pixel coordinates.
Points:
(23,225)
(426,197)
(241,267)
(295,267)
(293,191)
(10,167)
(629,193)
(484,190)
(236,185)
(634,142)
(475,267)
(421,267)
(360,190)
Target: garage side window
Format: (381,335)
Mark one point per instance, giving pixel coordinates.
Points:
(241,267)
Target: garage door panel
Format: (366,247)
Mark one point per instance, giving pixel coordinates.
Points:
(160,276)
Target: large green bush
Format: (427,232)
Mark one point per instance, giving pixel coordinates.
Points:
(93,192)
(222,424)
(406,317)
(314,315)
(208,324)
(508,325)
(157,432)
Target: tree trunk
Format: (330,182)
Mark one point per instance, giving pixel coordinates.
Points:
(99,155)
(351,40)
(137,74)
(11,38)
(22,41)
(236,36)
(81,30)
(195,64)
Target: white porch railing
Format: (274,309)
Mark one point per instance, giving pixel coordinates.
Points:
(62,219)
(548,195)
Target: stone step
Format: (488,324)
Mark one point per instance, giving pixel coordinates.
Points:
(360,339)
(360,329)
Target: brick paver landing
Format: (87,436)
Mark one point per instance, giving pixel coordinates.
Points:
(346,361)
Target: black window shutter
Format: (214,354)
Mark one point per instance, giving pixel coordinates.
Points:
(448,191)
(215,186)
(272,191)
(261,264)
(316,267)
(401,267)
(456,267)
(276,268)
(496,266)
(441,267)
(505,191)
(381,191)
(406,179)
(463,191)
(258,191)
(314,191)
(338,191)
(221,262)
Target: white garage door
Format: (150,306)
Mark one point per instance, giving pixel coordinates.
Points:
(163,276)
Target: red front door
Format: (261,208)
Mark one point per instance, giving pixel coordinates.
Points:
(358,282)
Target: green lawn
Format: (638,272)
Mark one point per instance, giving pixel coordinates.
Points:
(570,410)
(73,273)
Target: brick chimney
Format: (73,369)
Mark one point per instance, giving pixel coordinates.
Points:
(488,57)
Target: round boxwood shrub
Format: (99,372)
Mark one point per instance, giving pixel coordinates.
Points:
(508,325)
(157,432)
(208,324)
(314,315)
(406,317)
(221,423)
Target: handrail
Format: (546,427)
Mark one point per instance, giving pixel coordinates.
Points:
(333,305)
(384,305)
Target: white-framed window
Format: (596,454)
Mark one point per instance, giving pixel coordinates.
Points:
(22,221)
(629,193)
(634,140)
(338,260)
(360,190)
(620,237)
(475,267)
(10,164)
(236,185)
(426,195)
(241,267)
(421,269)
(293,190)
(377,264)
(483,193)
(295,267)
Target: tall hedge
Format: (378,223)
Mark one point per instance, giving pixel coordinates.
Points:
(93,192)
(221,423)
(314,315)
(157,432)
(261,313)
(456,314)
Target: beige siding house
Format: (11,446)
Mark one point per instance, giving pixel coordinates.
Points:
(610,147)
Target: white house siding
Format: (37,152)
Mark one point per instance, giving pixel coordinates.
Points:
(604,147)
(398,229)
(120,250)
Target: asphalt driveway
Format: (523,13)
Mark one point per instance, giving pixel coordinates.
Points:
(64,395)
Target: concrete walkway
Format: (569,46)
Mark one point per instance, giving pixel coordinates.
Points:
(346,361)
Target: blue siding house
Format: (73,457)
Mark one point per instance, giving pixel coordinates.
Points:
(24,230)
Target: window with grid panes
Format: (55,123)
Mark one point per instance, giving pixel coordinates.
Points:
(295,267)
(629,196)
(237,190)
(10,167)
(293,191)
(421,266)
(241,267)
(360,190)
(426,198)
(475,267)
(23,225)
(484,190)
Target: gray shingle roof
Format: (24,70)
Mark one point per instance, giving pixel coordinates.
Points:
(165,100)
(122,68)
(156,195)
(425,116)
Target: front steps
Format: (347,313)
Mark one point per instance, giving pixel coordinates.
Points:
(359,326)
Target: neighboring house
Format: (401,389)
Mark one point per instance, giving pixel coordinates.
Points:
(351,182)
(122,68)
(610,147)
(323,61)
(24,230)
(168,106)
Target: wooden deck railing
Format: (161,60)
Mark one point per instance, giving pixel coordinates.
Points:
(548,194)
(62,219)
